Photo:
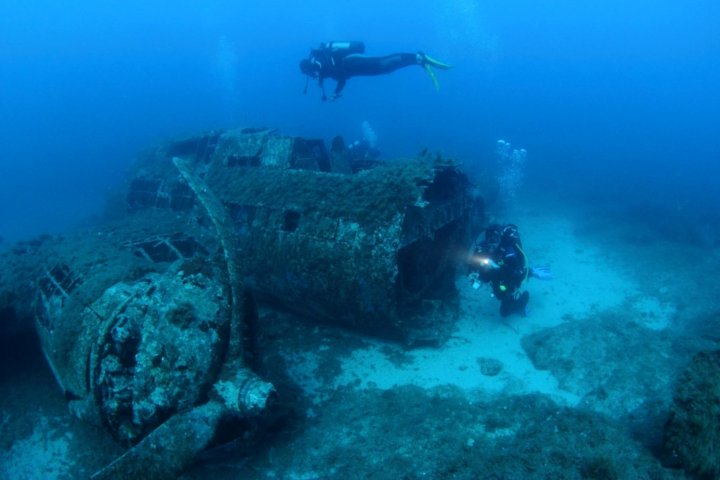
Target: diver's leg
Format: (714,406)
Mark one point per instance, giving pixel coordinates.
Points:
(523,303)
(360,65)
(510,304)
(506,306)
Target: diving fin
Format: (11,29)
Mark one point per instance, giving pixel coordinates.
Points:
(432,75)
(435,63)
(429,62)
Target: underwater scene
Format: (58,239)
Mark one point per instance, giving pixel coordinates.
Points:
(360,240)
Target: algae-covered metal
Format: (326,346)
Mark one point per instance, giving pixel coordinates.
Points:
(374,251)
(142,318)
(141,323)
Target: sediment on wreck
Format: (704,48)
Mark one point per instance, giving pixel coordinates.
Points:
(142,317)
(375,251)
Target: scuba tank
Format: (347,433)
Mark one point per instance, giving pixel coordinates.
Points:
(343,48)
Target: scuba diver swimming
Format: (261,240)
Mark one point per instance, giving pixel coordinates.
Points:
(343,60)
(500,261)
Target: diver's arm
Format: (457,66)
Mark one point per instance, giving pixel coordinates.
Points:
(321,84)
(338,89)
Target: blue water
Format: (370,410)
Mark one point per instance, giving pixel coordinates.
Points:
(615,96)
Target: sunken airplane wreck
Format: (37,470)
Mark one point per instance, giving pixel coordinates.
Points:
(142,319)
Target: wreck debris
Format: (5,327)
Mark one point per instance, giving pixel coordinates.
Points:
(142,319)
(374,251)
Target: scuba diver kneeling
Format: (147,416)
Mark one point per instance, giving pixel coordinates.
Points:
(500,261)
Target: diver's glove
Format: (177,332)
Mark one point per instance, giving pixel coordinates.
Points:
(541,272)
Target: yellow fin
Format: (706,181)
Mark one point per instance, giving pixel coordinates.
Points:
(436,63)
(432,76)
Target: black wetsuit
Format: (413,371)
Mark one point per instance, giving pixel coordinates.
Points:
(506,279)
(342,63)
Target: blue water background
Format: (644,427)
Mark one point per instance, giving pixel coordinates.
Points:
(613,98)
